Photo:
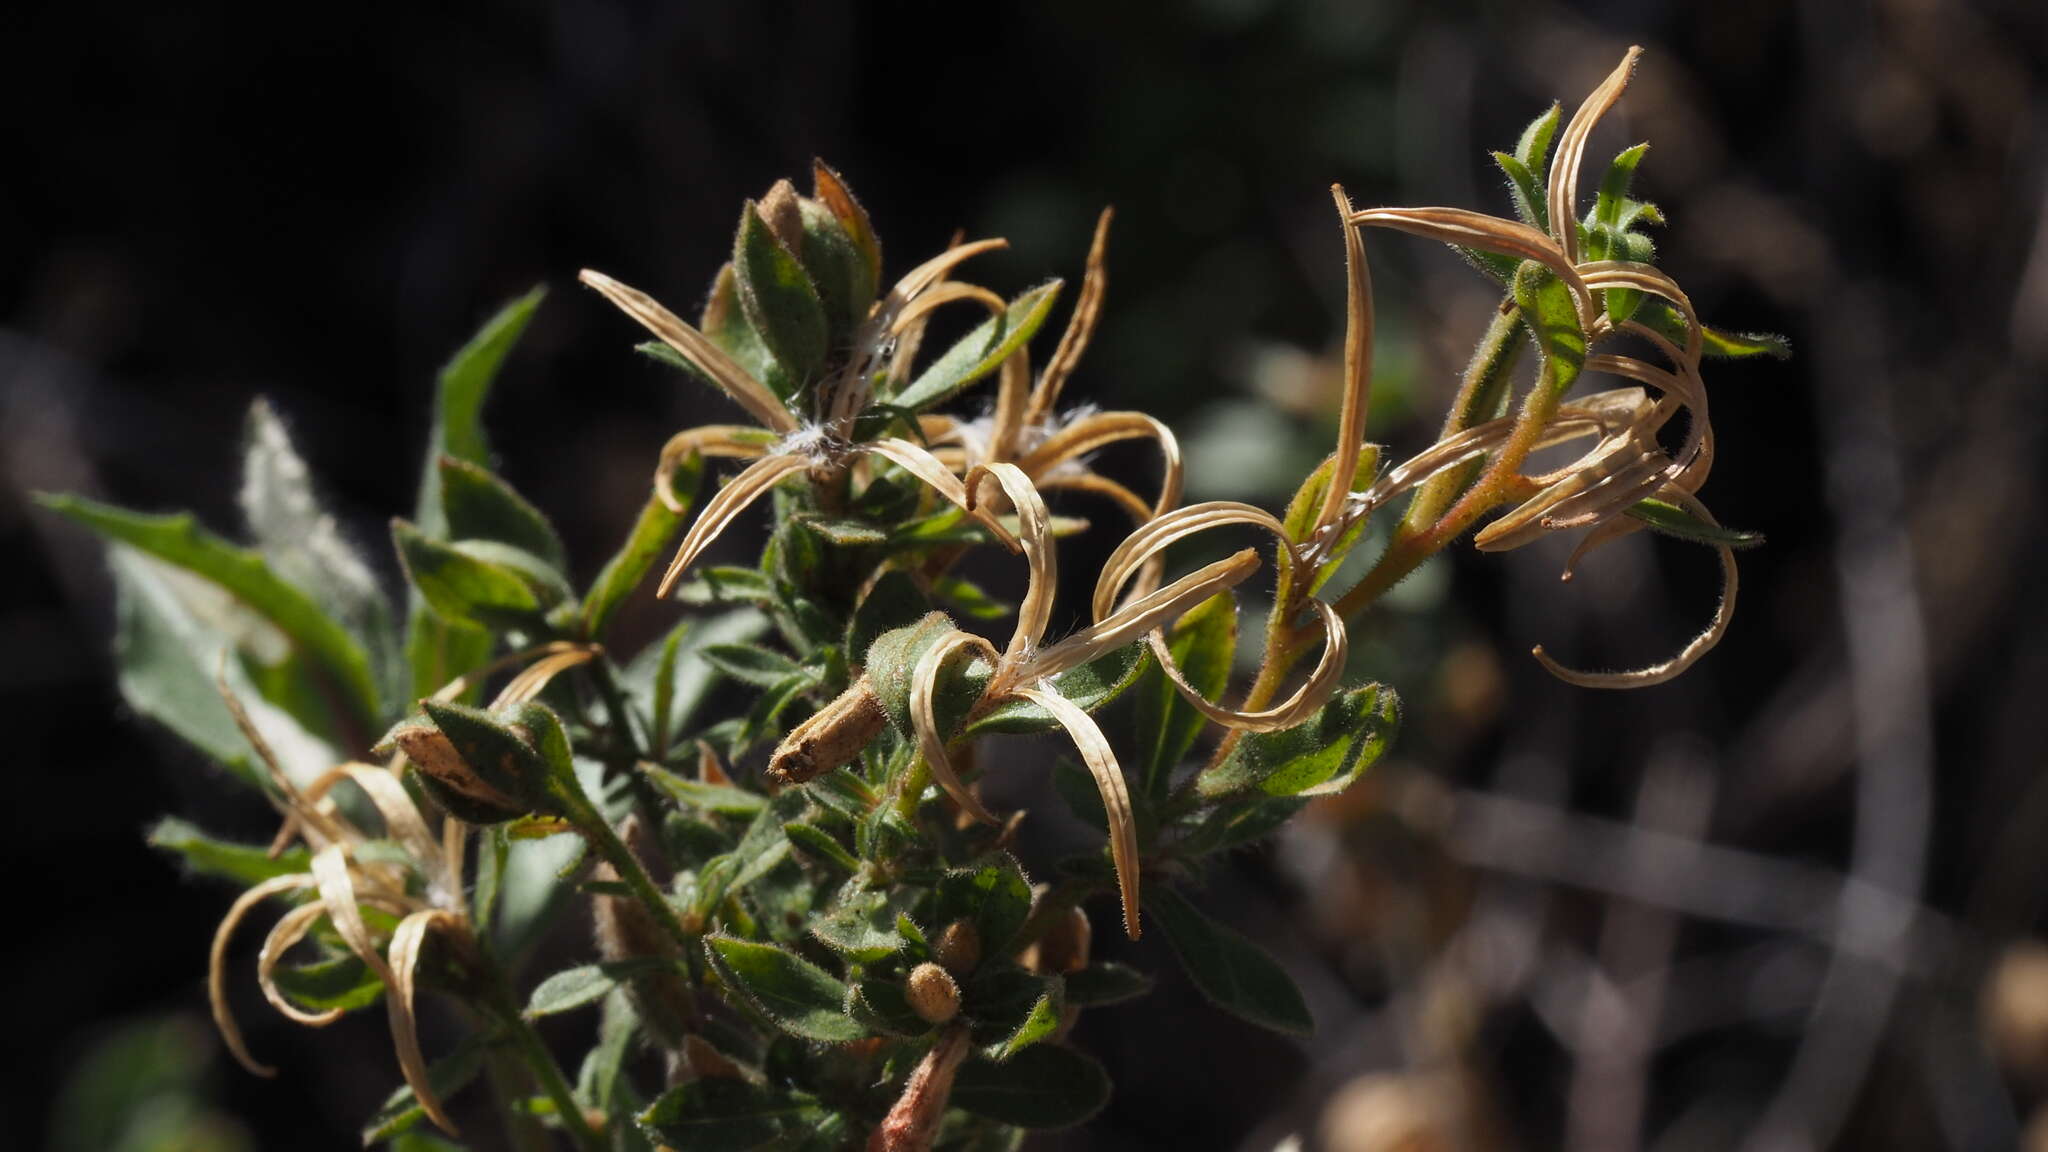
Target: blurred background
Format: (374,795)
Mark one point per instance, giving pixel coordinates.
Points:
(1793,900)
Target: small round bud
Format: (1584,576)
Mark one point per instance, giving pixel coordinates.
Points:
(958,948)
(1065,945)
(933,995)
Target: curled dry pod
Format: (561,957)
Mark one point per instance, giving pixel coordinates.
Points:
(833,736)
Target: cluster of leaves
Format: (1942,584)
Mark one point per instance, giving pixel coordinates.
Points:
(843,950)
(806,909)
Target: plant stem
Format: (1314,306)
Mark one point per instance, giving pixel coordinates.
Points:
(542,1064)
(613,851)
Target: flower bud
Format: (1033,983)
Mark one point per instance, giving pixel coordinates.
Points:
(958,948)
(933,995)
(1064,947)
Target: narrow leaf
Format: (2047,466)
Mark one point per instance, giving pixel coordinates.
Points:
(1044,1086)
(981,351)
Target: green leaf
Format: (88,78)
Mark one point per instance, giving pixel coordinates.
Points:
(723,799)
(723,585)
(460,392)
(245,864)
(305,546)
(1715,343)
(690,677)
(969,598)
(1672,520)
(778,298)
(480,505)
(473,580)
(1524,189)
(843,531)
(797,995)
(818,844)
(861,927)
(1307,505)
(1227,968)
(884,1006)
(995,895)
(750,664)
(1239,821)
(245,577)
(572,988)
(1606,239)
(893,601)
(1554,320)
(1204,643)
(651,536)
(1091,687)
(1011,1009)
(401,1112)
(170,630)
(981,351)
(726,323)
(343,982)
(1322,755)
(1044,1086)
(1105,983)
(716,1114)
(1532,149)
(845,281)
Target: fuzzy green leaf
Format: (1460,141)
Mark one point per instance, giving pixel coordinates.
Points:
(716,1114)
(245,577)
(1715,343)
(1091,687)
(778,297)
(464,383)
(1044,1086)
(462,581)
(343,982)
(1204,643)
(723,799)
(1011,1009)
(245,864)
(817,844)
(1230,970)
(844,279)
(981,351)
(305,547)
(861,927)
(1105,983)
(170,630)
(793,992)
(1554,319)
(1532,148)
(480,505)
(1672,520)
(1524,189)
(401,1112)
(994,895)
(1322,755)
(651,536)
(750,664)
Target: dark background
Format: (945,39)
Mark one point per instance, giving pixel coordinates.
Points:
(1754,907)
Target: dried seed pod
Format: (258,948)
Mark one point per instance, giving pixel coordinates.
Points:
(958,948)
(450,779)
(832,737)
(933,994)
(913,1122)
